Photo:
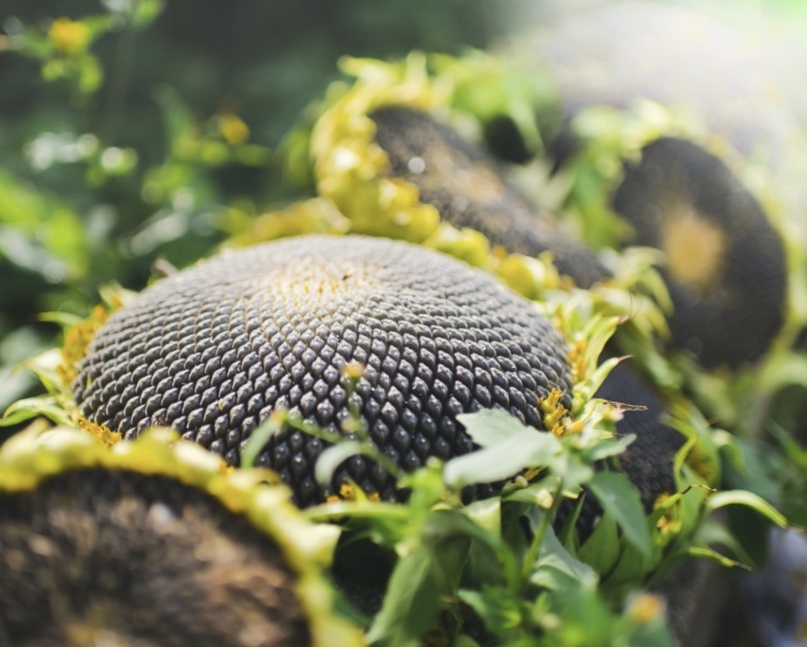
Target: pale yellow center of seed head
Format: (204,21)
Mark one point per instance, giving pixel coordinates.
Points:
(694,248)
(303,287)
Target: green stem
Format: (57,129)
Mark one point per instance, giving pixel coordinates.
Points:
(333,437)
(339,509)
(538,540)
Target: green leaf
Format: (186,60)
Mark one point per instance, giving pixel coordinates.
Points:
(98,25)
(484,554)
(64,319)
(709,553)
(609,447)
(557,570)
(748,467)
(598,332)
(573,469)
(790,370)
(793,449)
(490,566)
(629,570)
(90,74)
(498,608)
(748,499)
(45,366)
(486,513)
(503,460)
(601,550)
(568,533)
(28,408)
(621,499)
(488,427)
(410,604)
(449,546)
(13,386)
(715,533)
(540,493)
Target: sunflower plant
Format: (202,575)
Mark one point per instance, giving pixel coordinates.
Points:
(522,567)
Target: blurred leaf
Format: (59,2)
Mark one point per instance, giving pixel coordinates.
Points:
(749,500)
(749,467)
(557,570)
(16,347)
(794,450)
(488,427)
(621,499)
(28,408)
(498,608)
(410,604)
(503,460)
(609,447)
(14,385)
(631,568)
(601,549)
(714,533)
(711,554)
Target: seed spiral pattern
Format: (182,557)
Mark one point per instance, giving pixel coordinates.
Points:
(215,349)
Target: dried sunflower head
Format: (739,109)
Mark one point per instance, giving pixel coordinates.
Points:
(213,351)
(151,544)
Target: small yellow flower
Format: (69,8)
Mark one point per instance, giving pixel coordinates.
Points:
(69,36)
(645,608)
(347,492)
(353,371)
(668,522)
(76,340)
(550,403)
(100,433)
(554,412)
(232,128)
(577,360)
